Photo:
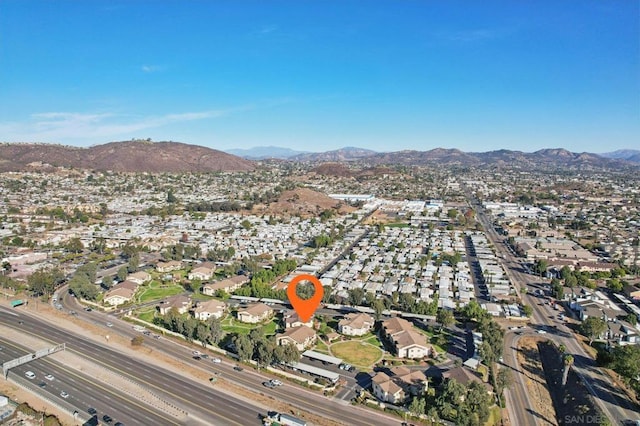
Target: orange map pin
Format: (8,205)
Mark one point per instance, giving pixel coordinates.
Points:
(305,307)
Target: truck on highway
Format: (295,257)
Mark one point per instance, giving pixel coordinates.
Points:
(275,419)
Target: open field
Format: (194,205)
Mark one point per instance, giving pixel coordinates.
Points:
(157,291)
(357,353)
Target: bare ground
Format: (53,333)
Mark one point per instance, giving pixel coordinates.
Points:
(538,392)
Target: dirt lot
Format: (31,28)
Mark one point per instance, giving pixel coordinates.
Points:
(571,399)
(529,360)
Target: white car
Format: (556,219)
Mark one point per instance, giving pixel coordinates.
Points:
(216,360)
(276,382)
(49,377)
(109,324)
(542,332)
(64,394)
(30,375)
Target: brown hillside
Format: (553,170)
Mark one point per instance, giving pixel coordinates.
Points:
(303,201)
(132,156)
(332,169)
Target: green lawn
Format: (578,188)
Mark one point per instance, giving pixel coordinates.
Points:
(321,347)
(232,325)
(494,416)
(147,315)
(373,340)
(157,291)
(360,354)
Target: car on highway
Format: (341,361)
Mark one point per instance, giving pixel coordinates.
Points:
(42,384)
(216,360)
(64,394)
(237,368)
(276,382)
(542,332)
(30,375)
(268,384)
(88,309)
(109,324)
(49,377)
(196,353)
(91,411)
(197,357)
(107,418)
(118,424)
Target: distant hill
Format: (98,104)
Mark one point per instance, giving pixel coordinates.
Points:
(624,154)
(264,152)
(543,158)
(302,201)
(342,154)
(130,156)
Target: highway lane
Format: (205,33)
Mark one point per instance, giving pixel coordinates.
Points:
(297,396)
(614,404)
(204,404)
(186,391)
(84,391)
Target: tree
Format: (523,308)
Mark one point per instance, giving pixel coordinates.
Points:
(245,224)
(417,406)
(74,245)
(244,347)
(378,307)
(355,296)
(202,334)
(571,281)
(568,362)
(527,310)
(291,354)
(445,318)
(215,330)
(122,273)
(593,327)
(631,319)
(134,263)
(452,213)
(540,266)
(106,282)
(504,379)
(264,352)
(614,284)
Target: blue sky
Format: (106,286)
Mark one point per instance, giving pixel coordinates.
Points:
(320,75)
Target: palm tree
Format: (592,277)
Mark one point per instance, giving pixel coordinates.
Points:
(568,362)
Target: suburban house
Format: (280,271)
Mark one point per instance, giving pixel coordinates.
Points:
(255,313)
(180,302)
(203,272)
(302,337)
(396,385)
(210,308)
(228,285)
(406,342)
(139,277)
(292,320)
(356,324)
(622,333)
(464,376)
(170,266)
(632,291)
(118,295)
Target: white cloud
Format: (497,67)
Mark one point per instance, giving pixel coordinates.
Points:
(151,68)
(66,126)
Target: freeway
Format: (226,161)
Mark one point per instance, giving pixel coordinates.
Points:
(186,393)
(204,404)
(83,391)
(613,403)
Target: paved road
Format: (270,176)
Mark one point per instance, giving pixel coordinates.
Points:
(233,409)
(84,391)
(615,405)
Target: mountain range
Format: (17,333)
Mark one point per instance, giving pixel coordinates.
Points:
(175,157)
(129,156)
(624,154)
